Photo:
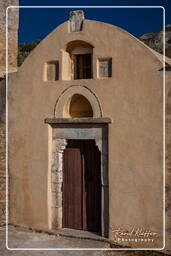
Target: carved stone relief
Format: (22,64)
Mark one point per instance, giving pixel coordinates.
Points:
(76,20)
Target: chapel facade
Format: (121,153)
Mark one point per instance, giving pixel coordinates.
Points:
(85,133)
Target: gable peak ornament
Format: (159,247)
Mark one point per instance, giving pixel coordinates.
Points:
(76,20)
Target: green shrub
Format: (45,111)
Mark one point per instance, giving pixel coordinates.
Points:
(24,50)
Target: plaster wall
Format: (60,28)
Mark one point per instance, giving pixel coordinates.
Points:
(168,159)
(132,98)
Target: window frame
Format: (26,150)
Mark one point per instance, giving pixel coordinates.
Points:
(84,67)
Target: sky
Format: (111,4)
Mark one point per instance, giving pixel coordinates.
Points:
(37,23)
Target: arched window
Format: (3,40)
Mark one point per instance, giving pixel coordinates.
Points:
(78,57)
(77,97)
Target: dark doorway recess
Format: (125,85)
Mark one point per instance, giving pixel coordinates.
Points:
(82,66)
(82,186)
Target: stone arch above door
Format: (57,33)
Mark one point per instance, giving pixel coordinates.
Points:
(62,103)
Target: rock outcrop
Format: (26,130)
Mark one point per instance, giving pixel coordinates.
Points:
(155,40)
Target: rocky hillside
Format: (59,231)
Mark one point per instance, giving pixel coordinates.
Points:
(155,40)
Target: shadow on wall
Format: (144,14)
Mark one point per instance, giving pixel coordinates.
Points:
(78,106)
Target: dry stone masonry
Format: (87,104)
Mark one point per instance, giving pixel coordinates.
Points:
(12,35)
(2,173)
(12,57)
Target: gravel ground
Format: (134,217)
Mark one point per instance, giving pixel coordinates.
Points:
(30,239)
(20,238)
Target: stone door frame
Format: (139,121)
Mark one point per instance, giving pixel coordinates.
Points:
(64,129)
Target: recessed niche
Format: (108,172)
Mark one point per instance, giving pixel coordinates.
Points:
(78,106)
(104,67)
(77,60)
(52,71)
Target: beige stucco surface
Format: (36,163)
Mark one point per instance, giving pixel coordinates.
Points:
(132,98)
(168,162)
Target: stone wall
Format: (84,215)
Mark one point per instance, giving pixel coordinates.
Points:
(2,152)
(2,173)
(12,58)
(2,100)
(12,35)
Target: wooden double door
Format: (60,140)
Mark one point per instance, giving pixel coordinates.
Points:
(82,186)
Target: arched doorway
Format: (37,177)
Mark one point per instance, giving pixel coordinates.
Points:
(78,123)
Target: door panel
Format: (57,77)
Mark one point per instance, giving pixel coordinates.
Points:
(82,186)
(92,187)
(72,189)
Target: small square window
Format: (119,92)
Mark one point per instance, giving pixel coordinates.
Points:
(52,71)
(105,67)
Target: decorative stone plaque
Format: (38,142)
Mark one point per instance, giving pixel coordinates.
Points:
(76,20)
(105,67)
(52,71)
